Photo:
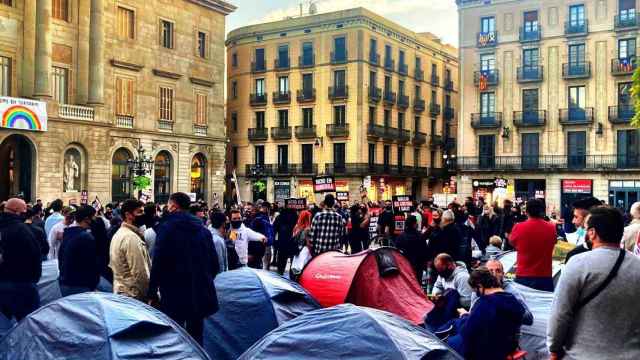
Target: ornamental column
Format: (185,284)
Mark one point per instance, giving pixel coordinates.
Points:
(43,49)
(96,54)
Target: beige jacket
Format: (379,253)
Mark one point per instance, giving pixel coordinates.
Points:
(129,260)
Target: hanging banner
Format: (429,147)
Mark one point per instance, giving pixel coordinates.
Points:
(296,204)
(281,190)
(23,114)
(324,184)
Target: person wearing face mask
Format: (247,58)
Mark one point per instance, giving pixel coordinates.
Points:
(219,228)
(387,224)
(128,255)
(20,263)
(78,259)
(488,226)
(241,235)
(581,210)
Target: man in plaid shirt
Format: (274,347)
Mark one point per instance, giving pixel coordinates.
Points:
(327,228)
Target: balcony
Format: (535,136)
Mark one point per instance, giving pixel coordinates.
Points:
(306,95)
(374,58)
(387,133)
(404,135)
(375,131)
(339,57)
(624,66)
(621,114)
(403,69)
(626,21)
(487,39)
(448,85)
(530,74)
(375,94)
(304,132)
(258,99)
(529,118)
(418,105)
(576,116)
(436,141)
(435,80)
(258,67)
(485,78)
(282,64)
(165,125)
(449,143)
(261,170)
(449,113)
(418,74)
(488,120)
(389,98)
(549,163)
(257,134)
(389,64)
(124,121)
(576,70)
(75,112)
(307,169)
(281,97)
(403,101)
(306,61)
(338,93)
(200,130)
(434,109)
(338,130)
(419,138)
(576,28)
(532,34)
(281,133)
(354,169)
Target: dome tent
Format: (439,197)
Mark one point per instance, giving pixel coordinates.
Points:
(381,279)
(252,303)
(98,326)
(349,332)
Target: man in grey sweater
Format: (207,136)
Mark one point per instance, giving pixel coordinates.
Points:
(607,326)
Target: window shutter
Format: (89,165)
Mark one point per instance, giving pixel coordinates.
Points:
(119,96)
(130,95)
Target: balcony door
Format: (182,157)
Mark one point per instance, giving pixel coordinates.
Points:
(283,85)
(283,158)
(259,154)
(627,10)
(260,87)
(576,15)
(339,81)
(530,21)
(628,149)
(576,149)
(530,106)
(487,108)
(259,55)
(339,156)
(626,49)
(487,24)
(577,103)
(260,124)
(307,158)
(340,48)
(530,60)
(577,64)
(530,150)
(307,85)
(487,62)
(487,151)
(386,157)
(307,53)
(626,109)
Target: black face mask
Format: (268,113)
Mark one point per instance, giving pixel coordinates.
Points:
(236,224)
(436,221)
(389,207)
(139,220)
(446,273)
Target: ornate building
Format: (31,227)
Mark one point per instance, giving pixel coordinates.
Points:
(349,94)
(115,77)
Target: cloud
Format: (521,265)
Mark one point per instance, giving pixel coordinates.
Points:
(435,16)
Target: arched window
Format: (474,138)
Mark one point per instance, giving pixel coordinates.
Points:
(120,176)
(198,176)
(162,177)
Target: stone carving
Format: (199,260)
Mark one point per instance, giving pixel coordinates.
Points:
(71,171)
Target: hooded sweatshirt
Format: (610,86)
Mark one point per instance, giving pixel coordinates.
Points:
(492,328)
(19,249)
(459,281)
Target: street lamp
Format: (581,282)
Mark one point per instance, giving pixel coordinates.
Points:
(141,165)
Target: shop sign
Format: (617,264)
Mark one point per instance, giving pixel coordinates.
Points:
(576,186)
(324,184)
(483,183)
(23,114)
(402,203)
(539,194)
(281,190)
(296,204)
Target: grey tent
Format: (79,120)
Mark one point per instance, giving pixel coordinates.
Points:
(98,326)
(349,332)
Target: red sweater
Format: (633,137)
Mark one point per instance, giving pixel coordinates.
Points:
(534,240)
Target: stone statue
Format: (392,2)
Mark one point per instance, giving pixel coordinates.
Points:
(71,172)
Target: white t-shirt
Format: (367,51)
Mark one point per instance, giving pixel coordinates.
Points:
(55,239)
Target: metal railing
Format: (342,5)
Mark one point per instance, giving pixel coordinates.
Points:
(340,57)
(625,21)
(258,67)
(403,101)
(486,77)
(435,141)
(306,62)
(418,105)
(389,97)
(374,58)
(434,109)
(435,80)
(336,93)
(403,69)
(165,125)
(337,130)
(404,135)
(281,133)
(530,35)
(419,138)
(576,116)
(621,114)
(530,73)
(281,97)
(624,66)
(576,70)
(549,163)
(375,94)
(389,64)
(258,99)
(449,113)
(448,85)
(580,27)
(282,64)
(305,132)
(418,74)
(529,118)
(258,134)
(306,95)
(487,120)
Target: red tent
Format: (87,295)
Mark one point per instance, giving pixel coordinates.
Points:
(381,279)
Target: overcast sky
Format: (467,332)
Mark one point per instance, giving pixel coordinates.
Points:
(435,16)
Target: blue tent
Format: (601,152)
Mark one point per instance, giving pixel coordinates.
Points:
(252,303)
(98,326)
(349,332)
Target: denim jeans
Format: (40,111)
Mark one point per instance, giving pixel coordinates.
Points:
(18,299)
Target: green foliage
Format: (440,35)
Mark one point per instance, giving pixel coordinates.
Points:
(259,186)
(635,97)
(141,182)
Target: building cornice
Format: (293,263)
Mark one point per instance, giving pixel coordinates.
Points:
(166,74)
(201,82)
(216,5)
(126,65)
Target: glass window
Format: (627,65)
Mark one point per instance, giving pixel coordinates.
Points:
(576,15)
(401,87)
(487,102)
(234,89)
(260,120)
(627,9)
(307,83)
(530,99)
(166,39)
(487,62)
(530,57)
(162,177)
(120,184)
(372,154)
(531,21)
(372,114)
(283,84)
(234,155)
(283,156)
(259,154)
(388,58)
(307,156)
(339,48)
(307,117)
(577,98)
(307,53)
(259,59)
(283,118)
(387,118)
(234,60)
(488,24)
(198,175)
(202,44)
(416,123)
(339,79)
(626,48)
(260,87)
(416,157)
(400,120)
(339,115)
(283,56)
(400,156)
(418,63)
(373,50)
(339,155)
(401,57)
(5,76)
(60,84)
(624,94)
(234,121)
(577,54)
(386,155)
(126,23)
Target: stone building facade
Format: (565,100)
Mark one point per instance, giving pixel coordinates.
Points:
(545,101)
(349,94)
(116,77)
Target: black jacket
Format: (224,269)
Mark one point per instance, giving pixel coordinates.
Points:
(413,246)
(448,241)
(78,258)
(41,239)
(184,267)
(283,227)
(487,227)
(20,251)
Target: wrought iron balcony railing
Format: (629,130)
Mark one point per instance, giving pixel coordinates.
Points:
(375,94)
(487,120)
(305,132)
(576,116)
(529,118)
(625,21)
(576,70)
(549,163)
(258,99)
(338,93)
(281,133)
(258,134)
(624,66)
(576,27)
(418,105)
(282,64)
(281,97)
(306,95)
(529,73)
(337,130)
(621,114)
(486,78)
(530,34)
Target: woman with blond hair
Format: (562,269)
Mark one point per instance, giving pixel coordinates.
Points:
(488,225)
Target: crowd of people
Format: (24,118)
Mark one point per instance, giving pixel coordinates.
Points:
(168,256)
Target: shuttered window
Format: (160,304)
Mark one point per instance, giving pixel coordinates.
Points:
(166,103)
(201,109)
(126,23)
(60,9)
(60,84)
(124,96)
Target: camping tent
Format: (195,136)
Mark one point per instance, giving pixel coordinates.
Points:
(381,279)
(98,326)
(533,339)
(349,332)
(252,303)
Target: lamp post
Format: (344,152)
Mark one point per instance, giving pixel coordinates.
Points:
(140,165)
